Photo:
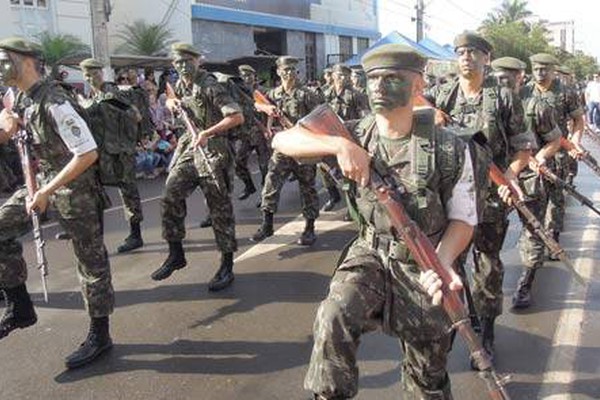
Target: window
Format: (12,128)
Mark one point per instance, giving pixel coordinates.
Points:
(345,48)
(361,44)
(30,3)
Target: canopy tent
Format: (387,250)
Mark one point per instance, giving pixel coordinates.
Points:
(445,52)
(396,37)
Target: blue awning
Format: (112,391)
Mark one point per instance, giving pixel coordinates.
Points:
(445,52)
(397,37)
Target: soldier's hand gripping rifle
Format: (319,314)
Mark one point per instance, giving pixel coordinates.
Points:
(562,184)
(584,155)
(324,121)
(262,100)
(533,223)
(23,140)
(190,126)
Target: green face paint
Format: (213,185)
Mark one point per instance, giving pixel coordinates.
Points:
(94,77)
(185,67)
(387,92)
(8,69)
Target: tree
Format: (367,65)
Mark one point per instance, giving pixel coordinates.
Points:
(509,11)
(581,64)
(144,39)
(516,39)
(56,48)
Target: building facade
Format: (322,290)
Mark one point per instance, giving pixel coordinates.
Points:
(318,32)
(562,35)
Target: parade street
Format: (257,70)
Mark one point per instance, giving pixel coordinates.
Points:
(175,340)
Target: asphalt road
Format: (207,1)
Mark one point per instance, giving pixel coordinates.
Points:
(175,340)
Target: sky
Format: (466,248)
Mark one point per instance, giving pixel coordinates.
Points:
(444,19)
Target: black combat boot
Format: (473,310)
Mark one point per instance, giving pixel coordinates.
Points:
(522,297)
(487,340)
(334,198)
(96,343)
(175,260)
(308,237)
(266,228)
(134,240)
(19,312)
(556,237)
(206,222)
(249,189)
(224,276)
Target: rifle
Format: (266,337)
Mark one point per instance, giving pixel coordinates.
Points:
(592,133)
(567,187)
(586,157)
(23,140)
(262,100)
(533,223)
(191,127)
(324,121)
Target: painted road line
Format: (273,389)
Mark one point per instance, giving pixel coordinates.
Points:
(567,337)
(288,234)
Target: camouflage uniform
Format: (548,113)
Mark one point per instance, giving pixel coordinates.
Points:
(48,109)
(499,114)
(567,107)
(294,105)
(540,117)
(208,102)
(112,121)
(138,96)
(376,285)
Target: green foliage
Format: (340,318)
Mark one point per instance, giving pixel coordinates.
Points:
(580,63)
(509,11)
(58,47)
(144,39)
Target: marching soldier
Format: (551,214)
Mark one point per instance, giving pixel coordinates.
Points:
(376,286)
(253,137)
(113,121)
(294,102)
(475,102)
(545,112)
(203,159)
(66,150)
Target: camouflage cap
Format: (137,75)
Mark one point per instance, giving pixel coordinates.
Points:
(327,70)
(181,48)
(356,68)
(396,56)
(508,63)
(246,68)
(563,69)
(286,60)
(91,63)
(544,59)
(472,39)
(341,68)
(21,46)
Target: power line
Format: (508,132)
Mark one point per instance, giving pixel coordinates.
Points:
(467,13)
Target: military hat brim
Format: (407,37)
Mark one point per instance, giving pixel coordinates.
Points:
(21,46)
(509,63)
(91,63)
(544,59)
(394,56)
(472,39)
(181,48)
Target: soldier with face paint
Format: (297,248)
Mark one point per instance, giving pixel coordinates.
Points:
(253,139)
(294,102)
(376,286)
(213,111)
(358,79)
(66,150)
(546,92)
(474,102)
(510,72)
(113,121)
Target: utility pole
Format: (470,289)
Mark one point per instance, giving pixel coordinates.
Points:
(100,11)
(420,7)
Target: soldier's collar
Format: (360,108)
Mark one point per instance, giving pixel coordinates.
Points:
(34,88)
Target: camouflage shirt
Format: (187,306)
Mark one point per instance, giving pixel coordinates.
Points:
(496,111)
(207,103)
(349,104)
(562,98)
(296,104)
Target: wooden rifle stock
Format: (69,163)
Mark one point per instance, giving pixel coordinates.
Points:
(324,121)
(533,223)
(263,100)
(23,140)
(586,157)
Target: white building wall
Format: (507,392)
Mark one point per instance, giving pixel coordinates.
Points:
(332,44)
(176,14)
(348,13)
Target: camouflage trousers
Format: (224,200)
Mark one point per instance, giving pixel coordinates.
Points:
(280,167)
(328,182)
(555,212)
(183,179)
(245,147)
(119,170)
(531,247)
(488,270)
(85,225)
(367,293)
